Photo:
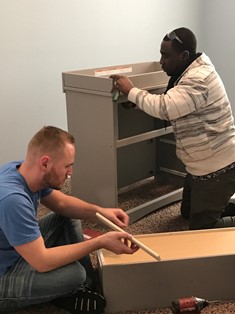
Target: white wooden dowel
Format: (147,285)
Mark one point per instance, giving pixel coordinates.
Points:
(134,240)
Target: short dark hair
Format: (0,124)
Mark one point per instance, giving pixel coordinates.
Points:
(189,41)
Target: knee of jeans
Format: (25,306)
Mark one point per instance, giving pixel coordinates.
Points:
(76,223)
(73,276)
(78,275)
(200,221)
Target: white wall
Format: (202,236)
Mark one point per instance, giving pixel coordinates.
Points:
(217,29)
(42,38)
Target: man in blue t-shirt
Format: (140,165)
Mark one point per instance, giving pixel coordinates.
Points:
(48,260)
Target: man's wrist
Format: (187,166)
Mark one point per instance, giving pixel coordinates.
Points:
(132,94)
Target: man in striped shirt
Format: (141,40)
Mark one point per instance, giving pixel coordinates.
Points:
(196,104)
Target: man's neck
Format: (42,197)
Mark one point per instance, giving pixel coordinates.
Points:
(175,77)
(32,179)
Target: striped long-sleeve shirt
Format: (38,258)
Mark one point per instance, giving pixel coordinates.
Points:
(201,116)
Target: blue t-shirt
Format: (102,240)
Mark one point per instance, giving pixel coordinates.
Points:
(18,214)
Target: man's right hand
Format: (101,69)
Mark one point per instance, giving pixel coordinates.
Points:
(118,242)
(121,83)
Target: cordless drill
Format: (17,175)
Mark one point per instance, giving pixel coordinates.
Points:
(191,304)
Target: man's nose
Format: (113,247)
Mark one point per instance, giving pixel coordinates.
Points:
(70,172)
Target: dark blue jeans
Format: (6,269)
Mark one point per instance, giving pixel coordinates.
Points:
(22,286)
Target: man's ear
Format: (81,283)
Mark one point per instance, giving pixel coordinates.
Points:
(44,161)
(185,55)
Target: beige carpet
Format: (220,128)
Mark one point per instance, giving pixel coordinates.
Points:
(163,220)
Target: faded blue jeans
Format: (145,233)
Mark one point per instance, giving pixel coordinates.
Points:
(22,286)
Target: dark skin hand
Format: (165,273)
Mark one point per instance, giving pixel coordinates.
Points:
(121,83)
(124,85)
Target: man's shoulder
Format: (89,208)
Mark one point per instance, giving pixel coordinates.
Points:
(201,65)
(10,180)
(201,71)
(10,167)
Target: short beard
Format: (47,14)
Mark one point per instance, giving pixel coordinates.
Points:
(50,181)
